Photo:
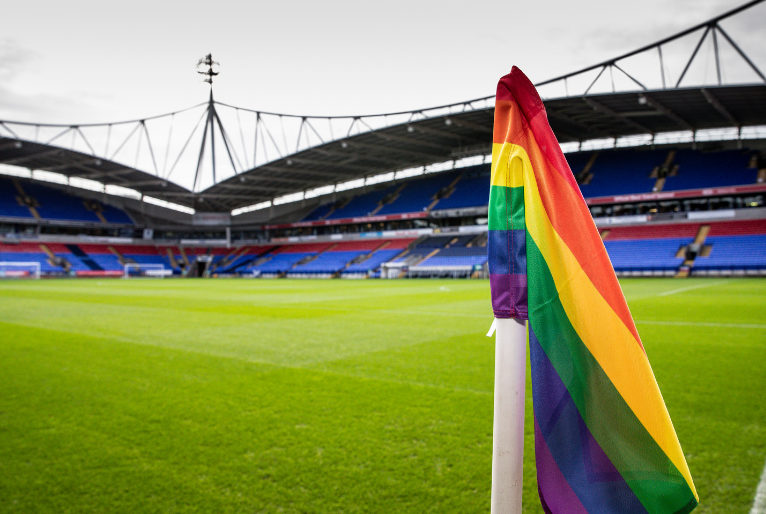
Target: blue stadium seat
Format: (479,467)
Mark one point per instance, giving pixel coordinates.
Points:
(645,254)
(362,205)
(418,194)
(280,263)
(472,190)
(621,172)
(328,262)
(8,205)
(374,262)
(734,253)
(698,170)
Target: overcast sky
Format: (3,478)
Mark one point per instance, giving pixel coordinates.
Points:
(99,61)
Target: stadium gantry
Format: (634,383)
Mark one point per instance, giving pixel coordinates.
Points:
(270,175)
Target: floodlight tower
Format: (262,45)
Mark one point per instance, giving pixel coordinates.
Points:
(209,73)
(212,120)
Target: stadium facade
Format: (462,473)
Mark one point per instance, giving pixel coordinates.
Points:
(674,174)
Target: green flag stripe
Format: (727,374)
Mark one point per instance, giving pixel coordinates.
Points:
(643,465)
(506,208)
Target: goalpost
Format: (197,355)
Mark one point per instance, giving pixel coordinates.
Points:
(133,269)
(19,269)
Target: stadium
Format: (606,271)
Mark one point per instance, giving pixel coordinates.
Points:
(313,392)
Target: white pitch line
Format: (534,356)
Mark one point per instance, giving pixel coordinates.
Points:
(759,503)
(681,290)
(700,324)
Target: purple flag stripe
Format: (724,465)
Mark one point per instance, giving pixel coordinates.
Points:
(553,487)
(578,456)
(509,295)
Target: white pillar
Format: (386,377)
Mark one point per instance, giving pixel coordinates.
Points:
(508,428)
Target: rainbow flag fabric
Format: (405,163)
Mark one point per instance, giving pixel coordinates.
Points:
(604,441)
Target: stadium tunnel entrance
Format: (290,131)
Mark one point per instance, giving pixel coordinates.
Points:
(200,266)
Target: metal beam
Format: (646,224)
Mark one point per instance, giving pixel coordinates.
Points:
(332,151)
(389,135)
(27,157)
(463,123)
(588,131)
(79,163)
(616,114)
(246,187)
(301,160)
(398,149)
(667,112)
(712,100)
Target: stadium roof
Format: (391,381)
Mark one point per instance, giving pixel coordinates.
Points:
(453,136)
(373,145)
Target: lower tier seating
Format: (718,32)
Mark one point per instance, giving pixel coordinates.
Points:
(746,252)
(646,254)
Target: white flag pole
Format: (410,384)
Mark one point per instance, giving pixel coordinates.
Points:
(508,428)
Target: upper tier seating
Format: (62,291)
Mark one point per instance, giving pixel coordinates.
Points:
(362,205)
(53,204)
(621,172)
(9,206)
(319,213)
(418,193)
(472,190)
(614,172)
(711,169)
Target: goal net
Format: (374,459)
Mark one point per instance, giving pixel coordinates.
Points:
(133,270)
(19,270)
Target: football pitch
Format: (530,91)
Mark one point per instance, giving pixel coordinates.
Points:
(298,396)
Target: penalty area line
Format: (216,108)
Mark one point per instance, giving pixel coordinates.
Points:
(699,286)
(759,502)
(700,324)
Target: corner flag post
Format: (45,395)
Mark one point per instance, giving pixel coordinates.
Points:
(508,426)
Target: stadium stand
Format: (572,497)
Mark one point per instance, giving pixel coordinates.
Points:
(472,190)
(620,172)
(29,199)
(362,205)
(457,256)
(646,254)
(733,246)
(715,247)
(600,173)
(10,205)
(419,194)
(337,257)
(384,253)
(286,257)
(710,169)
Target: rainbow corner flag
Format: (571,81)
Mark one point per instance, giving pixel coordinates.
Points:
(604,442)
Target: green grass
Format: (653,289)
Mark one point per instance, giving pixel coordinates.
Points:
(326,396)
